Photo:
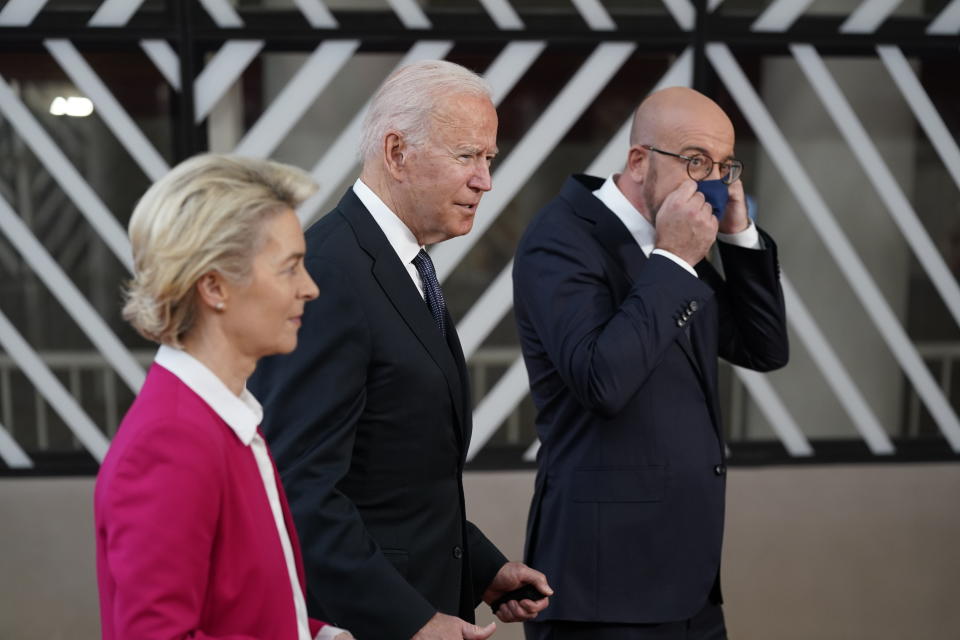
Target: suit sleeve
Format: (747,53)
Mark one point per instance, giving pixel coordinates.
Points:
(313,400)
(485,561)
(753,325)
(603,351)
(160,521)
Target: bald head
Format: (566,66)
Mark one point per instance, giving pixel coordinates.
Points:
(672,121)
(675,108)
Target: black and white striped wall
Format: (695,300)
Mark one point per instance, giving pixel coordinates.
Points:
(848,116)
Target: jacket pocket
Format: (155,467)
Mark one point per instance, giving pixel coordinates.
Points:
(618,484)
(398,558)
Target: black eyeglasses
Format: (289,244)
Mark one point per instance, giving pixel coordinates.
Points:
(699,166)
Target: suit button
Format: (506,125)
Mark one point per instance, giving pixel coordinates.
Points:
(693,306)
(681,322)
(457,553)
(720,469)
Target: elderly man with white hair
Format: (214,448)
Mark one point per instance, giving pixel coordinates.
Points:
(370,418)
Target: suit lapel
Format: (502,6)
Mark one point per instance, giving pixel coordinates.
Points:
(394,279)
(703,333)
(466,420)
(686,343)
(707,375)
(395,282)
(615,238)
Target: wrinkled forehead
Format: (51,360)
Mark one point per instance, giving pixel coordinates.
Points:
(465,116)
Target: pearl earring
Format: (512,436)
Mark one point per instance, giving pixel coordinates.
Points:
(219,306)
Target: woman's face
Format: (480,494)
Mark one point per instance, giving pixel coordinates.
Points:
(262,315)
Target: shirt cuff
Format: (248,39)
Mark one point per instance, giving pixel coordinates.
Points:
(749,238)
(675,258)
(329,632)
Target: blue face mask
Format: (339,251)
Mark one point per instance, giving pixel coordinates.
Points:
(716,194)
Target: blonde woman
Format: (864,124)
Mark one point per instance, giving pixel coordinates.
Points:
(194,537)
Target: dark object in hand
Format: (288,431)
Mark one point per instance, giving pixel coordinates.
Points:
(526,592)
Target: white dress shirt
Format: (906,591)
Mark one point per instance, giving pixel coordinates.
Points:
(398,234)
(646,235)
(243,415)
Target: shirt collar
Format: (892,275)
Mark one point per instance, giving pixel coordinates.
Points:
(639,227)
(242,413)
(398,234)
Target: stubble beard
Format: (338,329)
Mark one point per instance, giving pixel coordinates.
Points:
(649,185)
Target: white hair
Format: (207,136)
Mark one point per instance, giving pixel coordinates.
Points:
(408,97)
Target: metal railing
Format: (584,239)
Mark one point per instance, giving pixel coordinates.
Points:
(86,372)
(943,358)
(79,371)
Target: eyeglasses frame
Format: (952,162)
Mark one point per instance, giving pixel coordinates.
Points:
(713,162)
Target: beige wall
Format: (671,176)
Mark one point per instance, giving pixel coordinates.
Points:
(853,552)
(48,587)
(866,552)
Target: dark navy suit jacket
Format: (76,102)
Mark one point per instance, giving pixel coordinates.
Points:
(369,421)
(627,513)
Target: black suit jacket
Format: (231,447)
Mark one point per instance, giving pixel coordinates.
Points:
(627,514)
(369,421)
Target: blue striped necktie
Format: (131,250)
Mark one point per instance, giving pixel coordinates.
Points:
(431,290)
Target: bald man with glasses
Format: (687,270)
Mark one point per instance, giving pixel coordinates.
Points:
(621,319)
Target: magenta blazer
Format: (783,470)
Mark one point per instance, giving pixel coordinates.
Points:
(187,546)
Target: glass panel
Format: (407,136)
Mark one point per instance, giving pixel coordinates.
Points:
(845,187)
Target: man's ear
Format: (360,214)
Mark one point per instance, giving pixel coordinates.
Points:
(394,154)
(637,159)
(212,291)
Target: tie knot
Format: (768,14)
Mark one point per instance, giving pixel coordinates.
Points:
(424,264)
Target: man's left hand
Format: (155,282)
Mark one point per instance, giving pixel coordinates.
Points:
(735,217)
(514,575)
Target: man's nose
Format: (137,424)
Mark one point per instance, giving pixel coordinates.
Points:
(481,179)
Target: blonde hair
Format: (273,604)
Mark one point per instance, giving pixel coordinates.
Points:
(205,215)
(408,98)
